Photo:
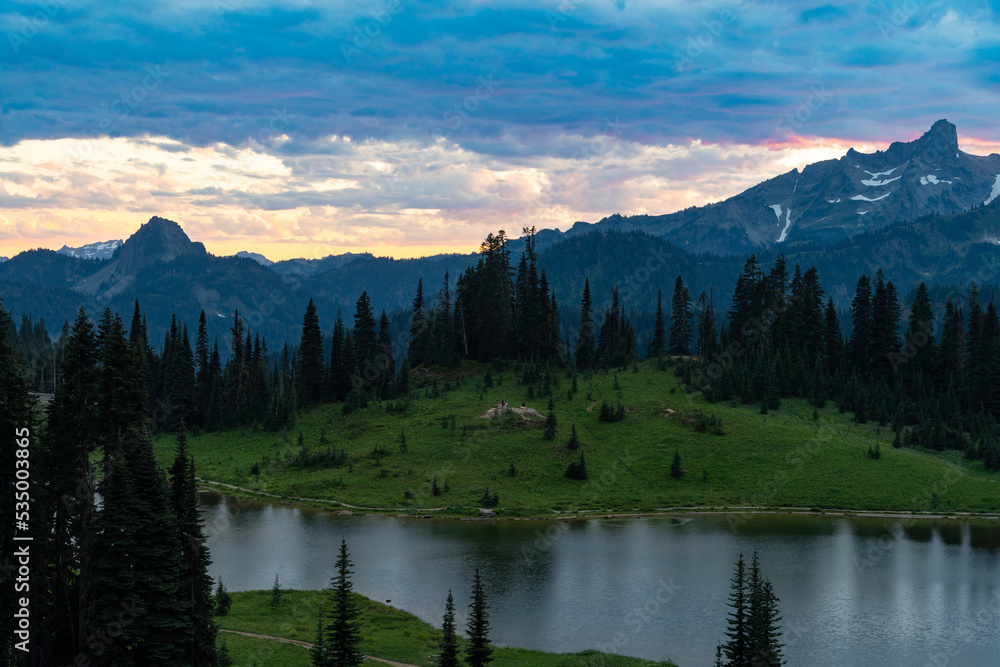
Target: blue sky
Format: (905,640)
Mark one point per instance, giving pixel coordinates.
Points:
(401,127)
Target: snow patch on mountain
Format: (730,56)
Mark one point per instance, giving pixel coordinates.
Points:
(833,201)
(788,223)
(932,179)
(872,181)
(777,210)
(863,212)
(102,250)
(881,173)
(996,191)
(864,198)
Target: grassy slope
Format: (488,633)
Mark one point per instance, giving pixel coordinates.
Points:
(386,632)
(785,459)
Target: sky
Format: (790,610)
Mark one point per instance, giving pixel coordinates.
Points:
(407,128)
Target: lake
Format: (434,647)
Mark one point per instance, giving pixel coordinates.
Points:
(853,591)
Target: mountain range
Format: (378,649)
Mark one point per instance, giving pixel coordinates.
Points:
(922,211)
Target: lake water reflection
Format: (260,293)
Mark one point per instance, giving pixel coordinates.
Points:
(854,592)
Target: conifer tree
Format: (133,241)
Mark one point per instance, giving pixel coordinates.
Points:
(585,341)
(676,470)
(833,340)
(311,367)
(763,631)
(385,363)
(276,592)
(164,631)
(448,646)
(951,361)
(656,341)
(706,324)
(16,413)
(680,321)
(550,421)
(195,584)
(861,343)
(319,654)
(365,335)
(343,633)
(920,342)
(886,314)
(223,600)
(479,652)
(418,345)
(340,375)
(736,647)
(203,376)
(63,477)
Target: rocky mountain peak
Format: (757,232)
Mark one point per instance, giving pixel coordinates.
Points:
(159,240)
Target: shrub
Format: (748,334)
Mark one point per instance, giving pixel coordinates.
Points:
(577,469)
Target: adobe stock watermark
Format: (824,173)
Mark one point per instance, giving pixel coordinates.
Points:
(460,111)
(697,44)
(274,129)
(369,30)
(706,37)
(34,24)
(121,107)
(899,15)
(794,120)
(639,616)
(596,146)
(565,9)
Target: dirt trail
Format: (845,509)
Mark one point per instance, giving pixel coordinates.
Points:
(319,500)
(296,642)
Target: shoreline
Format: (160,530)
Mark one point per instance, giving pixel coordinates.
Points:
(345,509)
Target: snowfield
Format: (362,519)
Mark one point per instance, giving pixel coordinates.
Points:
(996,191)
(864,198)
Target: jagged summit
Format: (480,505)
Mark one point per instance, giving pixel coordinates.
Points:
(832,200)
(159,240)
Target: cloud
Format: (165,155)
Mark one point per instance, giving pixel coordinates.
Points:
(231,108)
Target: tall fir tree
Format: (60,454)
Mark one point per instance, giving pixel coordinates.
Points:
(195,584)
(418,344)
(65,483)
(833,340)
(478,652)
(311,367)
(340,375)
(706,324)
(680,321)
(863,329)
(203,377)
(585,340)
(365,334)
(343,633)
(164,631)
(319,654)
(17,420)
(448,645)
(737,646)
(657,340)
(385,362)
(920,343)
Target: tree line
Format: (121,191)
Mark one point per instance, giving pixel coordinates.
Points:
(783,338)
(118,572)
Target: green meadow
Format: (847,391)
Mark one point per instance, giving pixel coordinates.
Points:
(793,457)
(386,632)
